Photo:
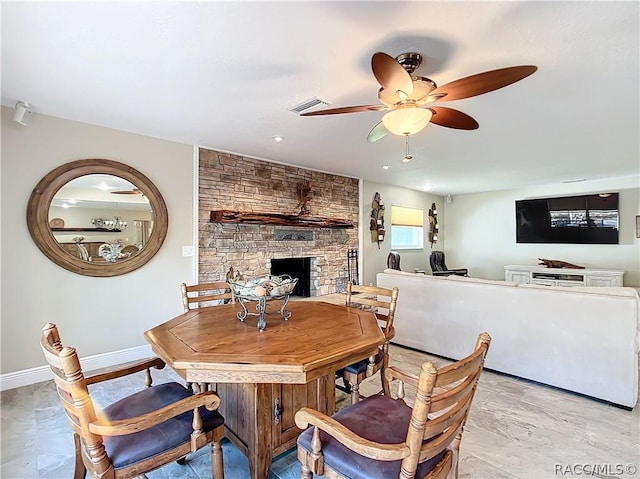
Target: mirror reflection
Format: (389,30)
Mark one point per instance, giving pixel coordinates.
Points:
(101,218)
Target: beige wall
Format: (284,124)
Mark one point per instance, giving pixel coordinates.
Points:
(97,315)
(481,233)
(374,260)
(477,231)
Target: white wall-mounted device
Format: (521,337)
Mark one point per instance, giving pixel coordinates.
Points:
(23,113)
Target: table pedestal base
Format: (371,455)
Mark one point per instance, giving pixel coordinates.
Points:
(259,418)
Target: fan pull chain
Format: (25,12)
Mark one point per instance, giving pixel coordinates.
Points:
(407,157)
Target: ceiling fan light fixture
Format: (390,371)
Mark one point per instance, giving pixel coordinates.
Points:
(406,121)
(422,87)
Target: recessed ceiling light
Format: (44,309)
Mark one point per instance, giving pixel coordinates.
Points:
(427,187)
(278,138)
(385,167)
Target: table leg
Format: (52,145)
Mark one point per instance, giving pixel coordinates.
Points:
(259,465)
(262,451)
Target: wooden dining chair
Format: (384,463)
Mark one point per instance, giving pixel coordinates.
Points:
(206,294)
(139,433)
(382,438)
(382,301)
(130,249)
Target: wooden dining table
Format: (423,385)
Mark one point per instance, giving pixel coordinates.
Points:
(264,377)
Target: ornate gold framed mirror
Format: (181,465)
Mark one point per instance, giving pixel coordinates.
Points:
(97,217)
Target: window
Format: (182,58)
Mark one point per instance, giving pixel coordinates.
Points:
(407,228)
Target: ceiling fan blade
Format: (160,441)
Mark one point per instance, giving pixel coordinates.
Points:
(483,82)
(377,132)
(345,109)
(134,191)
(390,74)
(452,118)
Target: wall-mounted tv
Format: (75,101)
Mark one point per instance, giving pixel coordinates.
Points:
(585,219)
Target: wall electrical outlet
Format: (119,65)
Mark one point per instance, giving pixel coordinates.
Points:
(187,251)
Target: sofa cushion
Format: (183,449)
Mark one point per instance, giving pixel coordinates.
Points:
(467,279)
(402,273)
(418,276)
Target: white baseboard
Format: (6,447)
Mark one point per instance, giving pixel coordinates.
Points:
(90,363)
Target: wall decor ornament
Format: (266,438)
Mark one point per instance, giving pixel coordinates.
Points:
(433,224)
(376,223)
(555,263)
(304,193)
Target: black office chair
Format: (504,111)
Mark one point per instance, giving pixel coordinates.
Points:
(393,260)
(439,267)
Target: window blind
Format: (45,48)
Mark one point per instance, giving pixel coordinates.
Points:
(401,216)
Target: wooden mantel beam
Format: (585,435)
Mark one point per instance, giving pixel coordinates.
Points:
(228,216)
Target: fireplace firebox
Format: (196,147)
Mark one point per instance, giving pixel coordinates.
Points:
(296,268)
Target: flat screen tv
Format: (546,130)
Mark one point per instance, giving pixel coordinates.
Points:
(585,219)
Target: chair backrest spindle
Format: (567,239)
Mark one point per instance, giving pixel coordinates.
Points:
(206,294)
(441,406)
(382,301)
(74,394)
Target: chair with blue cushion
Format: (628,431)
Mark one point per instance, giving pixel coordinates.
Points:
(137,434)
(382,302)
(205,295)
(382,438)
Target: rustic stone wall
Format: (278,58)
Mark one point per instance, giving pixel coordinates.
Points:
(234,182)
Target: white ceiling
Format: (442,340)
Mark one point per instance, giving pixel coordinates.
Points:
(224,75)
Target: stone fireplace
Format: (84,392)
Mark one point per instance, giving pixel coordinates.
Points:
(234,182)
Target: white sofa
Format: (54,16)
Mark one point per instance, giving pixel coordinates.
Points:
(583,339)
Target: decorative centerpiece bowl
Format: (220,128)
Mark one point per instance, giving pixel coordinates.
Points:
(262,290)
(111,252)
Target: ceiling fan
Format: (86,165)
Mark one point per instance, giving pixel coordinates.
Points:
(404,95)
(134,191)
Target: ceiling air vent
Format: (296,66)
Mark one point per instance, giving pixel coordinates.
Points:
(310,104)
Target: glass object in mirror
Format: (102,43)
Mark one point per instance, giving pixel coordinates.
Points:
(97,217)
(100,212)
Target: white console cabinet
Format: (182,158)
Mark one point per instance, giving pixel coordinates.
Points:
(562,276)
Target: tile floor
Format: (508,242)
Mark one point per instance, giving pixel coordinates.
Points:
(516,429)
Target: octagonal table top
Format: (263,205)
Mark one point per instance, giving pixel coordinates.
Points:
(212,345)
